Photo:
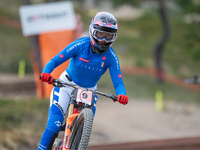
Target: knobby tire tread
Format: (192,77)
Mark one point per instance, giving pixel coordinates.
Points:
(82,130)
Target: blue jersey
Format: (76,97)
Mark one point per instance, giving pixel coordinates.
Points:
(85,67)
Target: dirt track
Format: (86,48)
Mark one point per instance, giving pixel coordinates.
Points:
(172,144)
(138,121)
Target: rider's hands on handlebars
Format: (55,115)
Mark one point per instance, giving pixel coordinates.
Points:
(46,77)
(123,99)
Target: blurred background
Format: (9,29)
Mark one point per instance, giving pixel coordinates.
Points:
(157,45)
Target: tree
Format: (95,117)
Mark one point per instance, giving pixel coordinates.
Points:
(161,43)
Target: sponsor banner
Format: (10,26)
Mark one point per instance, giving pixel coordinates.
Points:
(40,18)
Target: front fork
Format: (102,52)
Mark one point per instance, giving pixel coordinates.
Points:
(72,114)
(68,127)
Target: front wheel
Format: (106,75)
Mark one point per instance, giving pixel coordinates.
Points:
(57,144)
(81,131)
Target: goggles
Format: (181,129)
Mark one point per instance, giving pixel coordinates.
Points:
(100,36)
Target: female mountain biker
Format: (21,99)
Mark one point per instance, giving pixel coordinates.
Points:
(90,57)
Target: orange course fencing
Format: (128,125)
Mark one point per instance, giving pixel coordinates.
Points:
(51,44)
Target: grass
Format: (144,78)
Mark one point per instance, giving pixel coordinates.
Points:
(10,9)
(145,87)
(16,113)
(13,48)
(22,122)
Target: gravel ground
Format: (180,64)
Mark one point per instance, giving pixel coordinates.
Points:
(139,121)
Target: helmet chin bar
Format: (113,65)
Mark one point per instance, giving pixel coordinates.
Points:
(100,49)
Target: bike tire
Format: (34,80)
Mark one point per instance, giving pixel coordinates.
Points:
(81,131)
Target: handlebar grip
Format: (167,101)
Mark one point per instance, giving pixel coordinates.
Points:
(115,98)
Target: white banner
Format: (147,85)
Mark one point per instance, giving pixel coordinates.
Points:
(40,18)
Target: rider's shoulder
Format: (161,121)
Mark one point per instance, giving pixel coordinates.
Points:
(83,40)
(111,53)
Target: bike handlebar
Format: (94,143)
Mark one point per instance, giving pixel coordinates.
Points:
(63,84)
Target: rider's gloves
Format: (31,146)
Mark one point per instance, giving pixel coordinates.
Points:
(46,77)
(123,99)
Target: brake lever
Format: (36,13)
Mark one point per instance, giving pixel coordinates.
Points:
(113,97)
(53,82)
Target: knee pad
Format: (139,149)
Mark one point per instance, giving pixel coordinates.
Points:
(55,119)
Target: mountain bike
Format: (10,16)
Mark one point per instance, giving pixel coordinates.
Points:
(80,117)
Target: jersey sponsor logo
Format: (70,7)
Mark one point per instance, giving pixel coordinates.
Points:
(104,57)
(85,60)
(61,55)
(119,76)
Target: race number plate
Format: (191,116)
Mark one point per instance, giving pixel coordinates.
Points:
(84,96)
